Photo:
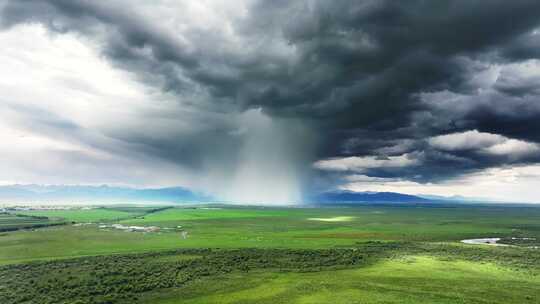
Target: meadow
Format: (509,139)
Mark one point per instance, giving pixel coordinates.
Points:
(85,215)
(13,222)
(228,254)
(391,281)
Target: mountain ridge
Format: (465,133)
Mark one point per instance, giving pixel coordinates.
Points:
(346,196)
(20,193)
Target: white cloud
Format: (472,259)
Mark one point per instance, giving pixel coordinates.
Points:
(514,148)
(360,163)
(469,140)
(361,178)
(511,184)
(401,147)
(486,143)
(518,76)
(60,100)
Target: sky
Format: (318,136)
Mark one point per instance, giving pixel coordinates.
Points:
(255,100)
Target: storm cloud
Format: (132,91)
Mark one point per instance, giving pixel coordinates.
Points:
(315,92)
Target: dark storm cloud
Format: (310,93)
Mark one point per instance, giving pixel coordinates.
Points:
(360,72)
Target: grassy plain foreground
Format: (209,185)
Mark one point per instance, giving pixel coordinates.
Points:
(364,254)
(414,279)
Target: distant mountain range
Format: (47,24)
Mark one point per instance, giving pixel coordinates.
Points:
(350,197)
(47,194)
(368,197)
(96,194)
(459,198)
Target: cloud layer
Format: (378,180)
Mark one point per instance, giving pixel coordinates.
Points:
(202,92)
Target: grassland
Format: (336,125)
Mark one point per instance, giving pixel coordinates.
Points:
(399,255)
(85,215)
(369,273)
(12,222)
(415,279)
(236,227)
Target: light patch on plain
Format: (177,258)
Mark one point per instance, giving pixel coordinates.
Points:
(332,219)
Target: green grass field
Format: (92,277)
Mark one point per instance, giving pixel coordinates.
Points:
(415,279)
(11,222)
(236,227)
(421,260)
(84,215)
